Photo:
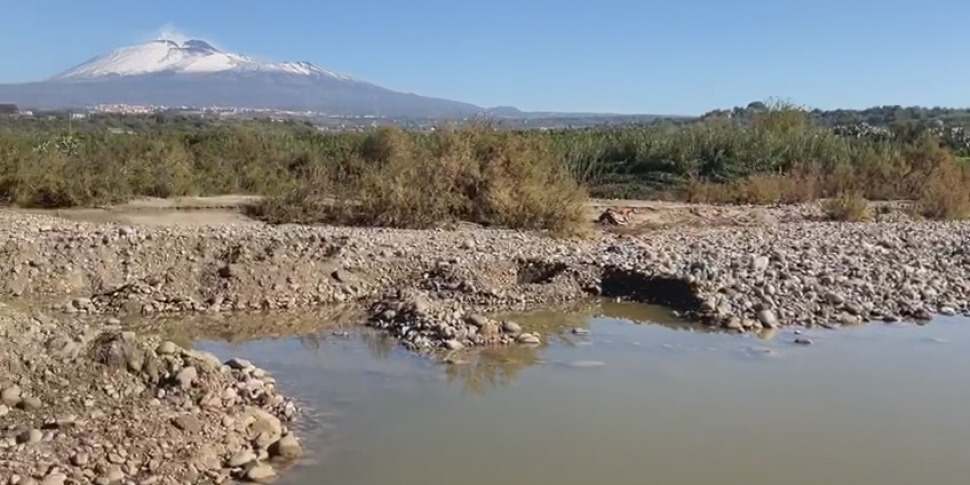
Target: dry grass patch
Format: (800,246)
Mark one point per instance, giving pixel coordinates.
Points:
(848,207)
(945,193)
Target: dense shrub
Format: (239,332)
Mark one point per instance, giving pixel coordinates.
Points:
(473,174)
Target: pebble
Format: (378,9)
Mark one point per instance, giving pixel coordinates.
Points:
(167,348)
(242,457)
(528,339)
(10,396)
(54,478)
(80,459)
(187,423)
(187,376)
(287,448)
(261,473)
(30,436)
(30,403)
(453,345)
(768,318)
(239,364)
(511,327)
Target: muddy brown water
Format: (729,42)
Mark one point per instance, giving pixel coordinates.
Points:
(634,403)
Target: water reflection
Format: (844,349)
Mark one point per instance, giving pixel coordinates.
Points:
(491,369)
(309,326)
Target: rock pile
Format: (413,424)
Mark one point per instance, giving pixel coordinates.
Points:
(90,405)
(422,326)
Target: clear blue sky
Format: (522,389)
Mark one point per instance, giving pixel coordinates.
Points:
(629,56)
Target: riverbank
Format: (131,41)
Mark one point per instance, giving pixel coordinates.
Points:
(436,291)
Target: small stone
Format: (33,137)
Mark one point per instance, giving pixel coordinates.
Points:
(768,318)
(854,308)
(239,364)
(30,404)
(11,396)
(187,423)
(453,345)
(241,458)
(803,341)
(167,348)
(287,448)
(342,276)
(55,478)
(528,339)
(511,327)
(80,459)
(114,474)
(476,320)
(734,323)
(261,473)
(760,263)
(266,427)
(30,436)
(187,376)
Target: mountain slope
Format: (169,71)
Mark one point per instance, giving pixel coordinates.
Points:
(194,73)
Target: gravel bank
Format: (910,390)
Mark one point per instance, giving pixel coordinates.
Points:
(434,287)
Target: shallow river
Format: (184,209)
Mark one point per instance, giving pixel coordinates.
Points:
(635,403)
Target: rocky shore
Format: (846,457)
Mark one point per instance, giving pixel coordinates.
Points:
(86,401)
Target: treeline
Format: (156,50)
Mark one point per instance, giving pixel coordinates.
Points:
(477,172)
(885,116)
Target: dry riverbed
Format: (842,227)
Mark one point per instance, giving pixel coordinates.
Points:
(87,400)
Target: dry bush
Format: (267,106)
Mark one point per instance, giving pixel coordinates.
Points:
(406,180)
(850,206)
(792,188)
(945,194)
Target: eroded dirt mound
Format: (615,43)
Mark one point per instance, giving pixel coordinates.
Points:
(94,404)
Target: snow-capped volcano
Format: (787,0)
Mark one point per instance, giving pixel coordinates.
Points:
(194,73)
(188,57)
